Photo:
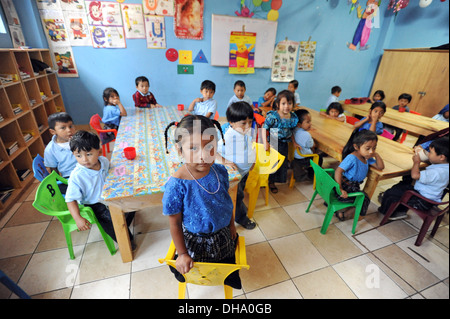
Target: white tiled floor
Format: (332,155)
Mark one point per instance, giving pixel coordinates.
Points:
(288,256)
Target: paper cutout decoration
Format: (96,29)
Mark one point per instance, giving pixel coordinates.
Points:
(242,52)
(159,7)
(283,64)
(188,21)
(424,3)
(172,55)
(364,27)
(307,55)
(185,69)
(397,5)
(200,58)
(155,31)
(185,57)
(133,21)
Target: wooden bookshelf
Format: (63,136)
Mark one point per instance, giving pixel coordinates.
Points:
(26,101)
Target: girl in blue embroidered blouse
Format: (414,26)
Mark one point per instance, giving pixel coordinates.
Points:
(196,199)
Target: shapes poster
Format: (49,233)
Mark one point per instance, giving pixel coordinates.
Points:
(159,7)
(242,52)
(283,64)
(155,32)
(307,55)
(185,56)
(108,37)
(133,21)
(104,13)
(188,21)
(63,57)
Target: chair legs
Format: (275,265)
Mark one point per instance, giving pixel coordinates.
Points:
(11,285)
(181,290)
(228,292)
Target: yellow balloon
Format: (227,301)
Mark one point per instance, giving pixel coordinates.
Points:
(273,15)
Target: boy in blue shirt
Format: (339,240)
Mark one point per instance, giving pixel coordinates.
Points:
(57,154)
(86,183)
(293,86)
(268,98)
(430,183)
(239,94)
(205,105)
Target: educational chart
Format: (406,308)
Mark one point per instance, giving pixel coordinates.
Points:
(242,52)
(133,21)
(78,28)
(307,55)
(155,31)
(188,22)
(108,37)
(103,13)
(63,56)
(54,28)
(159,7)
(283,64)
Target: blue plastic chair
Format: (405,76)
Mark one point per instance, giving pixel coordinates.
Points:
(39,170)
(11,285)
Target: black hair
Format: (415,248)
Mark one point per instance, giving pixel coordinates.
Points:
(284,94)
(335,106)
(358,138)
(336,89)
(84,141)
(140,79)
(209,85)
(405,96)
(239,83)
(239,111)
(187,125)
(107,93)
(61,117)
(441,146)
(295,83)
(273,90)
(301,114)
(379,104)
(381,93)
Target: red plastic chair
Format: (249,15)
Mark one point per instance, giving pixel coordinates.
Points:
(95,123)
(435,213)
(351,119)
(216,116)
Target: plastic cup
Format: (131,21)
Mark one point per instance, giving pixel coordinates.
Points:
(401,109)
(129,152)
(180,107)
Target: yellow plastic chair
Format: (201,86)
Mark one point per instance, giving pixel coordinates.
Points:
(209,274)
(266,164)
(315,159)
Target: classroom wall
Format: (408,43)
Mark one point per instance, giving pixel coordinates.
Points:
(327,22)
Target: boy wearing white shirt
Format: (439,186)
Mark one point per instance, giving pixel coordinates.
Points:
(239,94)
(335,93)
(205,105)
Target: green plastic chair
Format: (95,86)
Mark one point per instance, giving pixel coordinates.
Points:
(50,201)
(325,186)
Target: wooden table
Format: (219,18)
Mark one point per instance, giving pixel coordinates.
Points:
(135,184)
(414,123)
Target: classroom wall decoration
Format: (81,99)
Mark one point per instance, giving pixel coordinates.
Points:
(284,58)
(13,20)
(159,7)
(172,55)
(185,69)
(188,22)
(155,31)
(63,56)
(108,37)
(200,58)
(267,9)
(364,28)
(185,56)
(103,13)
(78,28)
(242,52)
(133,21)
(306,55)
(48,4)
(54,28)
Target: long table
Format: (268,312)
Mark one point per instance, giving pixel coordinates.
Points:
(135,184)
(414,123)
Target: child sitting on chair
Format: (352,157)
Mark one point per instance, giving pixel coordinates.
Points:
(239,94)
(205,105)
(112,113)
(143,97)
(335,112)
(372,121)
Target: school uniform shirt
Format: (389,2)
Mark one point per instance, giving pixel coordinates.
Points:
(235,99)
(354,169)
(378,127)
(111,115)
(60,157)
(205,107)
(333,98)
(432,182)
(440,117)
(297,98)
(86,185)
(238,149)
(304,139)
(141,100)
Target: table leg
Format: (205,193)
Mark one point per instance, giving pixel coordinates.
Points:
(371,184)
(121,230)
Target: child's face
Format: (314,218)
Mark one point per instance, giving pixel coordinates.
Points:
(268,95)
(242,126)
(207,94)
(367,150)
(113,99)
(403,102)
(198,153)
(377,97)
(378,111)
(143,87)
(337,94)
(446,115)
(434,158)
(88,159)
(285,106)
(63,131)
(239,91)
(333,113)
(291,87)
(306,124)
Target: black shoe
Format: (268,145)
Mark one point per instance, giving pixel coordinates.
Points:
(247,224)
(398,215)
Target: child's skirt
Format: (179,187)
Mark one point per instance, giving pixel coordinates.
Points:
(280,176)
(353,187)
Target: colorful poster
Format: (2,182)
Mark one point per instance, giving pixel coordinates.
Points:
(188,22)
(155,32)
(78,28)
(133,21)
(72,5)
(307,55)
(48,4)
(54,28)
(103,13)
(65,61)
(242,52)
(159,7)
(108,37)
(283,62)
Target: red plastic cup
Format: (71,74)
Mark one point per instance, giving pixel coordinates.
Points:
(180,107)
(129,152)
(401,109)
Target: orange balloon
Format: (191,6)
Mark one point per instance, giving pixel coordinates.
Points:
(276,4)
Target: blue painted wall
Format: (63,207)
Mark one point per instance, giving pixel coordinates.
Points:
(327,22)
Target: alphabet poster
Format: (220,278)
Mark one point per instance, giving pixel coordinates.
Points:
(188,22)
(78,28)
(133,21)
(284,58)
(104,13)
(155,32)
(242,52)
(159,7)
(108,37)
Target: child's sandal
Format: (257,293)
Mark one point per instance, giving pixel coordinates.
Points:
(273,188)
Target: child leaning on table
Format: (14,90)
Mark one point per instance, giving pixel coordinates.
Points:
(430,182)
(335,112)
(86,184)
(143,97)
(112,113)
(197,202)
(205,105)
(372,121)
(268,98)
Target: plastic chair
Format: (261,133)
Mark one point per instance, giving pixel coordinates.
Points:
(95,123)
(39,170)
(266,164)
(49,201)
(387,134)
(11,285)
(351,119)
(326,187)
(209,274)
(315,159)
(435,213)
(216,116)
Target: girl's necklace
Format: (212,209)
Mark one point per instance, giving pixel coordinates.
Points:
(217,176)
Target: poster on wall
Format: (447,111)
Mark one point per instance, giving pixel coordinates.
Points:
(155,31)
(65,61)
(159,7)
(77,28)
(48,4)
(104,13)
(188,21)
(15,29)
(283,62)
(108,37)
(307,55)
(72,5)
(54,28)
(133,21)
(242,52)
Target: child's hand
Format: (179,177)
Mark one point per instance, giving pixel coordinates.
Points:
(184,263)
(416,158)
(199,99)
(230,164)
(344,194)
(83,224)
(233,231)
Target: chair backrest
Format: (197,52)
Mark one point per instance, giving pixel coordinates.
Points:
(49,199)
(325,184)
(95,122)
(351,119)
(388,135)
(39,170)
(267,162)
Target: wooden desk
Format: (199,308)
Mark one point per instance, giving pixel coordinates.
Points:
(135,184)
(414,123)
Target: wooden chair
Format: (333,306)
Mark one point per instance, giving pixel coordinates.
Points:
(95,123)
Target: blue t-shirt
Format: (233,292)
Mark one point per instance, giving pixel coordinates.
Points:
(205,107)
(280,129)
(304,139)
(236,99)
(354,169)
(366,126)
(203,213)
(56,156)
(432,182)
(111,115)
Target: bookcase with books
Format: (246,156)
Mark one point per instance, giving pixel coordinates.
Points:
(28,95)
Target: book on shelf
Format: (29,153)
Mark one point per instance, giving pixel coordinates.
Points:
(5,192)
(23,173)
(11,147)
(8,78)
(27,137)
(41,127)
(17,108)
(1,118)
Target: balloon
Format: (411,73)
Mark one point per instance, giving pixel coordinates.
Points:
(424,3)
(266,6)
(276,4)
(273,15)
(257,3)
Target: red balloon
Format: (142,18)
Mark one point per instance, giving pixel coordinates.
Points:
(276,4)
